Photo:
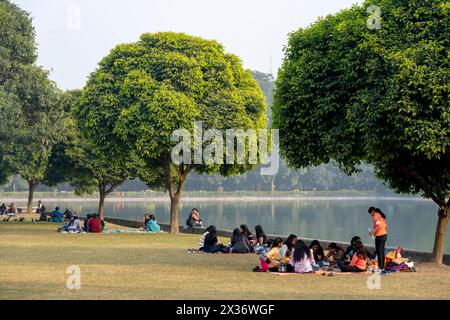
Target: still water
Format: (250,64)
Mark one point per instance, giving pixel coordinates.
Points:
(412,222)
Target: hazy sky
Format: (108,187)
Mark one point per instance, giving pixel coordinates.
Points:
(73,35)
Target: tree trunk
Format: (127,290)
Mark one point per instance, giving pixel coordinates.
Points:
(174,213)
(31,188)
(439,239)
(101,204)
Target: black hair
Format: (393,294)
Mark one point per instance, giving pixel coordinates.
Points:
(277,241)
(151,216)
(301,250)
(237,236)
(57,208)
(371,209)
(260,233)
(354,239)
(289,240)
(245,230)
(270,243)
(332,245)
(378,210)
(211,228)
(361,250)
(89,215)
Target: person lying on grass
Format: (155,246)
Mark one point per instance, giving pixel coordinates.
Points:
(302,260)
(152,226)
(359,259)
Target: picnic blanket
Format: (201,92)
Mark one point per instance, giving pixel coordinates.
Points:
(320,273)
(131,231)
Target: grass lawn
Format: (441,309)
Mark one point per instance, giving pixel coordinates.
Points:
(34,259)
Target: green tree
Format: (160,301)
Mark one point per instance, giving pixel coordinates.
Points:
(17,48)
(351,92)
(143,92)
(41,124)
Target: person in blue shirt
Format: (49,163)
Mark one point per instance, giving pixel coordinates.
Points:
(152,226)
(57,216)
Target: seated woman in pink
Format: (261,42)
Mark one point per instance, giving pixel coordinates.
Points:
(302,260)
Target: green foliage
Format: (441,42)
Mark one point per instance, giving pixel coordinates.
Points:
(352,94)
(38,126)
(17,46)
(143,92)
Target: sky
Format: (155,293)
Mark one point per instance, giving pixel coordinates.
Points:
(74,35)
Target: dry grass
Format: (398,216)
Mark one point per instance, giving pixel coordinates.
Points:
(34,259)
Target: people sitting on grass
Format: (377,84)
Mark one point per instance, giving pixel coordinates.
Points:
(289,244)
(95,224)
(152,226)
(43,217)
(239,243)
(351,249)
(3,209)
(145,221)
(335,254)
(246,233)
(57,216)
(359,260)
(86,222)
(68,215)
(12,210)
(211,243)
(261,237)
(74,226)
(274,256)
(201,243)
(40,208)
(319,255)
(302,259)
(194,220)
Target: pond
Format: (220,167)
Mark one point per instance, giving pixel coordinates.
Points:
(412,221)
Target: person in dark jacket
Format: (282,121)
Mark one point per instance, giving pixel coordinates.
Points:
(239,244)
(211,244)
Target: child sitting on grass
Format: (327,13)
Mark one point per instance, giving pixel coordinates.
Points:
(302,259)
(335,254)
(274,255)
(359,259)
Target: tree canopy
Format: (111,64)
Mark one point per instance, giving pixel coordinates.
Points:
(352,93)
(142,92)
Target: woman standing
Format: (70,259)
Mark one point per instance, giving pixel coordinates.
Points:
(380,234)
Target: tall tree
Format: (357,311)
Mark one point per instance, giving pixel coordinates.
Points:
(17,48)
(41,126)
(361,86)
(143,92)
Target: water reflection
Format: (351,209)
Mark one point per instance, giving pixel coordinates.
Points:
(412,223)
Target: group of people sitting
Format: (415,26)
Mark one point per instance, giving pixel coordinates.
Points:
(291,255)
(92,224)
(6,212)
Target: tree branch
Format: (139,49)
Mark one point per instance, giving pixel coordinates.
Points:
(439,199)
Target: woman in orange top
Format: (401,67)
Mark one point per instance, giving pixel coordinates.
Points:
(380,234)
(359,260)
